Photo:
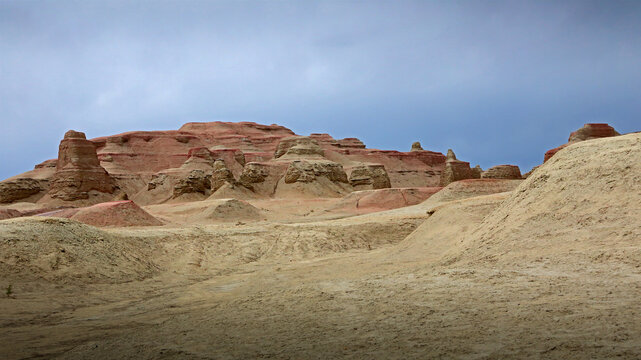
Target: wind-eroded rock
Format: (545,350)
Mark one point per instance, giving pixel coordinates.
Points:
(369,177)
(456,170)
(196,182)
(305,171)
(262,177)
(587,132)
(502,172)
(19,189)
(221,175)
(298,146)
(78,170)
(416,146)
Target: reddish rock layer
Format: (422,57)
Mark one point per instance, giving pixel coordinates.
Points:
(502,172)
(587,132)
(78,170)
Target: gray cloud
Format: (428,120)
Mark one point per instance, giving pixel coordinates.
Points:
(499,81)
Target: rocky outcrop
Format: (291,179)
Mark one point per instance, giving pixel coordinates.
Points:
(221,175)
(592,131)
(298,146)
(78,170)
(306,172)
(502,172)
(350,143)
(587,132)
(313,179)
(262,177)
(369,177)
(450,155)
(19,189)
(456,170)
(51,163)
(199,158)
(156,181)
(416,146)
(147,165)
(477,172)
(196,182)
(253,173)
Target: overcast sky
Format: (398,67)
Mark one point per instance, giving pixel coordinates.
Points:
(497,81)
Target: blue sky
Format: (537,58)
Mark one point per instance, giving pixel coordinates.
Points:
(497,81)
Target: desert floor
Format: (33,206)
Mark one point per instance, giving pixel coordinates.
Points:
(550,270)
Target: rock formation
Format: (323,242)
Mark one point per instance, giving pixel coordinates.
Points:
(297,146)
(306,171)
(592,131)
(262,177)
(19,189)
(587,132)
(152,167)
(221,175)
(450,155)
(456,170)
(369,177)
(477,171)
(502,172)
(350,143)
(416,146)
(196,182)
(78,170)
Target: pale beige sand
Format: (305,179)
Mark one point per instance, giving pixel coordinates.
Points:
(551,270)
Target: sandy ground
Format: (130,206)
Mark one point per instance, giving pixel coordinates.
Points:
(549,270)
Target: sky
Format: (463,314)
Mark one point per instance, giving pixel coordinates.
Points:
(500,82)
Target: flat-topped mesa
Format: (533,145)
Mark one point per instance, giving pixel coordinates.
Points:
(369,177)
(502,172)
(587,132)
(416,146)
(244,127)
(298,146)
(78,170)
(350,143)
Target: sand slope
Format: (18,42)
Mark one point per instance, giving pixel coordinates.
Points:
(583,204)
(548,271)
(66,251)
